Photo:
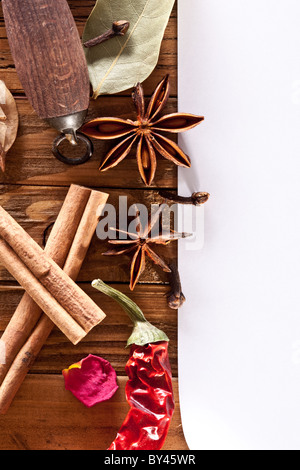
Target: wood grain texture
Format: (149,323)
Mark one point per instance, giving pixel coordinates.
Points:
(44,43)
(45,416)
(30,161)
(81,9)
(50,287)
(58,246)
(107,340)
(35,207)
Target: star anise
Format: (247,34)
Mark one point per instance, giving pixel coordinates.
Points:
(139,245)
(146,131)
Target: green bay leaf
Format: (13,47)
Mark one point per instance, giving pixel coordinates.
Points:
(122,62)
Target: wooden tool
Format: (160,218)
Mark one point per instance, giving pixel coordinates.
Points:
(51,65)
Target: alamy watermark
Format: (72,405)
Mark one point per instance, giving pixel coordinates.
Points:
(164,219)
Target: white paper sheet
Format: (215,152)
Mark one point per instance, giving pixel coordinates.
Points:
(239,332)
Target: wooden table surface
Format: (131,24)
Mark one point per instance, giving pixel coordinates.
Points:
(44,415)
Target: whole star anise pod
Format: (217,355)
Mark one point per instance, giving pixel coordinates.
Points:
(139,245)
(146,131)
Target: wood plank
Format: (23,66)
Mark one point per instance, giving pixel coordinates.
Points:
(107,340)
(81,9)
(44,416)
(30,161)
(35,207)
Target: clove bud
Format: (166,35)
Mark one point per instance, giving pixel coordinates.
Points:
(119,28)
(176,297)
(196,199)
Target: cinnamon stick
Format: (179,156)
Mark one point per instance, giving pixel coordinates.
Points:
(25,358)
(22,363)
(40,294)
(49,276)
(58,246)
(85,232)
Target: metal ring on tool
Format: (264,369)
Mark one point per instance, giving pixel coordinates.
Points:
(76,160)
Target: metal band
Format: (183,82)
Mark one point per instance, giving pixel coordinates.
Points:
(76,160)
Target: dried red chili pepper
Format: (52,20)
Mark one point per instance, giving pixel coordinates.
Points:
(149,390)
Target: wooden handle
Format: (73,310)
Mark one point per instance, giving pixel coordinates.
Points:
(48,55)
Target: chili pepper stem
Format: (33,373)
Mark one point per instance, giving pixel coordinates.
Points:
(143,331)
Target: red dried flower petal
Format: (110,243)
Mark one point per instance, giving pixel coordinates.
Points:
(92,380)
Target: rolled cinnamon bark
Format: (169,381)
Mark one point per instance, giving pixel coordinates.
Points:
(49,275)
(85,232)
(25,358)
(57,247)
(22,363)
(40,294)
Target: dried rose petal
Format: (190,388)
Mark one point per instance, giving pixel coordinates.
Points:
(92,380)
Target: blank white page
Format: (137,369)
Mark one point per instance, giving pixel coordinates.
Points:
(239,331)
